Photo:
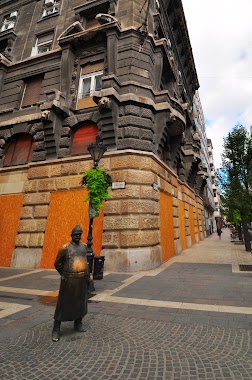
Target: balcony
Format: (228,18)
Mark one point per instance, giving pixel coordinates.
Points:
(207,203)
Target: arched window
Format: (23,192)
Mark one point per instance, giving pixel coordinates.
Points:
(82,138)
(19,151)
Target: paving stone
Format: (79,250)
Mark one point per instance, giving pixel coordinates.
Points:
(133,342)
(108,335)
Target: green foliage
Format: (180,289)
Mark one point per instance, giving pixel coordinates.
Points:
(236,218)
(237,156)
(234,178)
(96,181)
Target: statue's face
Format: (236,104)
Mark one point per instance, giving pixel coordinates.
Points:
(76,237)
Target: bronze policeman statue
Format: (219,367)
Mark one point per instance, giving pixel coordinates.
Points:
(71,263)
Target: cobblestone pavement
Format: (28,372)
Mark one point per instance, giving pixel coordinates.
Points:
(190,319)
(129,348)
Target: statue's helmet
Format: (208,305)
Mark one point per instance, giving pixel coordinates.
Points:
(76,230)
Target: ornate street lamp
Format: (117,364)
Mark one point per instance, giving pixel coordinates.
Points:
(96,151)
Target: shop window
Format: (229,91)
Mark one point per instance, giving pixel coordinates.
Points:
(9,21)
(43,44)
(19,151)
(84,136)
(50,7)
(32,91)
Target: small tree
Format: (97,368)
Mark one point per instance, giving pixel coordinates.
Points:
(235,178)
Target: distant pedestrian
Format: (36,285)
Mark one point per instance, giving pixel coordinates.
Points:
(219,232)
(71,263)
(219,225)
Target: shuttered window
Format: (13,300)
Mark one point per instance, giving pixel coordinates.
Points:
(82,138)
(19,151)
(32,90)
(92,68)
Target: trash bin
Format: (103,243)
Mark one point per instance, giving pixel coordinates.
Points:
(90,259)
(98,267)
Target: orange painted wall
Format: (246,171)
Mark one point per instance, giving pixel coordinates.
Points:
(198,224)
(67,209)
(191,221)
(166,226)
(10,206)
(182,225)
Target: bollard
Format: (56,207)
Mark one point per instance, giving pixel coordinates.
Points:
(90,260)
(98,267)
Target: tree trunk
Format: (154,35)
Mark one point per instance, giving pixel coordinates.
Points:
(246,236)
(239,233)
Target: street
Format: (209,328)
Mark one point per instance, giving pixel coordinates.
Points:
(189,319)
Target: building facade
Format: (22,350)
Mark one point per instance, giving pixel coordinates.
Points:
(206,167)
(216,191)
(70,70)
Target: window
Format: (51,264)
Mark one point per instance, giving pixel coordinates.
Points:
(19,151)
(90,83)
(32,90)
(51,7)
(82,138)
(9,21)
(43,44)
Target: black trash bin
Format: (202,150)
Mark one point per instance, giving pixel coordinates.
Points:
(98,267)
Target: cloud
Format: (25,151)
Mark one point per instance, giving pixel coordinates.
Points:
(221,39)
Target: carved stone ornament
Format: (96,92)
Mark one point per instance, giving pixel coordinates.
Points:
(45,115)
(104,18)
(104,103)
(196,136)
(183,139)
(73,84)
(2,143)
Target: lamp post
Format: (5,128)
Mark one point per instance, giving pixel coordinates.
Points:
(96,151)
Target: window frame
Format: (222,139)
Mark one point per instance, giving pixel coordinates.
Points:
(15,145)
(93,77)
(49,42)
(55,7)
(7,20)
(27,83)
(87,127)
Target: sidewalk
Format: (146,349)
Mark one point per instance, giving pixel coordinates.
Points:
(189,319)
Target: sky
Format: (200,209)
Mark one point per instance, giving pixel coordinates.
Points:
(220,32)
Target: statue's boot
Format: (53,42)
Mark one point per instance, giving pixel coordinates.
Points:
(78,325)
(56,331)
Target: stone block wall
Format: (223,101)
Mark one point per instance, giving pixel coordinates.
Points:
(130,233)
